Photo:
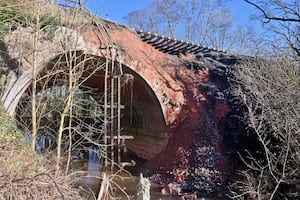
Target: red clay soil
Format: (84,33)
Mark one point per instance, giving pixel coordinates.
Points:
(155,67)
(181,135)
(192,124)
(198,129)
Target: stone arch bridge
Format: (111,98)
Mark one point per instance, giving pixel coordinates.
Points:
(178,99)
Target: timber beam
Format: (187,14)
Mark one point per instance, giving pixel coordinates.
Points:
(171,45)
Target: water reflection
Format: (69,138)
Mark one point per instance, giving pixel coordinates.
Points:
(43,143)
(90,161)
(125,181)
(94,165)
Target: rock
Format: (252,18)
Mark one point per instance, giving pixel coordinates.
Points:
(143,188)
(165,191)
(189,196)
(174,188)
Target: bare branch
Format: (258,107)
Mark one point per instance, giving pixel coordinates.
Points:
(267,16)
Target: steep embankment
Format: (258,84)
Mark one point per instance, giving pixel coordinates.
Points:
(196,157)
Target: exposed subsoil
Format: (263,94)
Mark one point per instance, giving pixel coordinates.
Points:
(193,160)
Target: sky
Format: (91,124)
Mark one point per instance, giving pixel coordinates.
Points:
(116,10)
(242,12)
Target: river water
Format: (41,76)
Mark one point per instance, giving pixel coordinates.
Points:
(120,179)
(89,166)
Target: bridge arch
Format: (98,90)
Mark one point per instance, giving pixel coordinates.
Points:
(159,100)
(142,115)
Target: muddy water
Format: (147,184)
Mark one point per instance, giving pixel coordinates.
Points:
(121,179)
(129,186)
(89,165)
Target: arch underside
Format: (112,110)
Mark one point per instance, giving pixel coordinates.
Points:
(141,115)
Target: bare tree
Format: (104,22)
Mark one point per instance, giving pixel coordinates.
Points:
(268,92)
(281,18)
(59,106)
(34,63)
(207,23)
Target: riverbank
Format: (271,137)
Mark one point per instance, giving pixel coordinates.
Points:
(25,174)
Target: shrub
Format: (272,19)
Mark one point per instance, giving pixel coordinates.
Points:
(268,92)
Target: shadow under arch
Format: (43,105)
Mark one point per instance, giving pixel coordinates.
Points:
(142,115)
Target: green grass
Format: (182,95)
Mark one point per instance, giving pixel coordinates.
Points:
(9,132)
(15,151)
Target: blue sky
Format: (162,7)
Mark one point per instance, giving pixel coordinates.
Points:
(241,12)
(116,10)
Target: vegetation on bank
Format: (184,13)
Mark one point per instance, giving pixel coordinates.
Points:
(266,100)
(25,174)
(14,15)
